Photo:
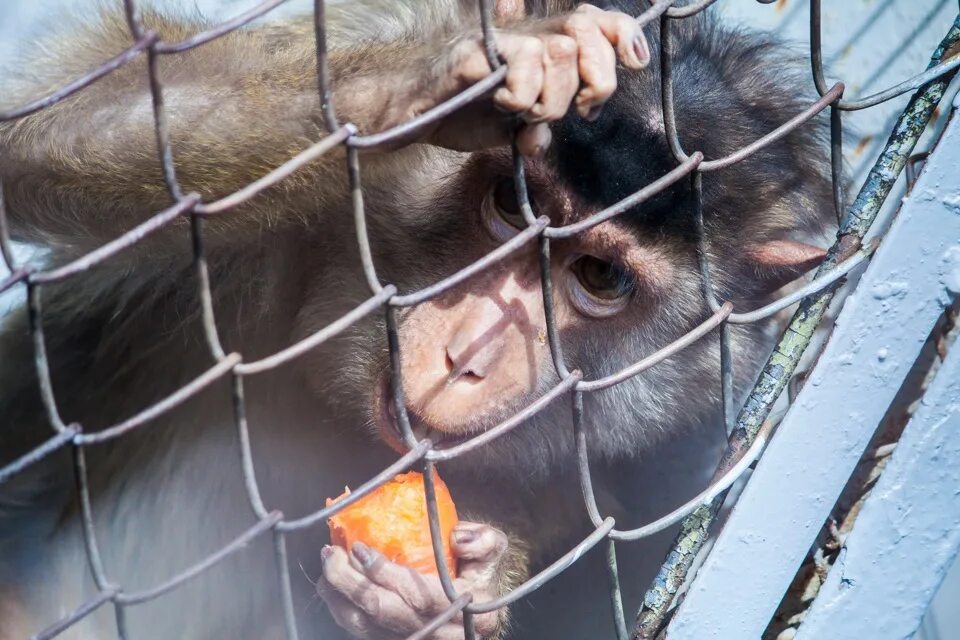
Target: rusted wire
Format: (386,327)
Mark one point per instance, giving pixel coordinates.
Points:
(33,276)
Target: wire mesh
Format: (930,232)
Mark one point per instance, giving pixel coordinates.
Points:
(387,299)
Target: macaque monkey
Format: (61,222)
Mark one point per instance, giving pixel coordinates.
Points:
(583,97)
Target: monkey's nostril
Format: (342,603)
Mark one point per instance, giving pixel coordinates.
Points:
(461,373)
(470,376)
(448,362)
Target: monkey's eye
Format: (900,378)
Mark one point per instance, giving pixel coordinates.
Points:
(502,212)
(505,200)
(602,287)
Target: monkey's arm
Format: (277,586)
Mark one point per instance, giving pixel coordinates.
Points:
(371,597)
(86,169)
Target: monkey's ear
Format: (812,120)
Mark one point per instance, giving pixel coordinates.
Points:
(779,262)
(509,9)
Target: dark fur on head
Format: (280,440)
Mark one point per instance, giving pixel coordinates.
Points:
(724,98)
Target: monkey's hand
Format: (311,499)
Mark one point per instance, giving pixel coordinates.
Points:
(375,599)
(551,64)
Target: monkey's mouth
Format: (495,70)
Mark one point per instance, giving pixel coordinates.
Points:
(390,431)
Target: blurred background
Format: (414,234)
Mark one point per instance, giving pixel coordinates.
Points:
(869,44)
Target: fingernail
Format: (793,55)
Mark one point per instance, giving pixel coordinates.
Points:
(464,536)
(501,96)
(640,49)
(534,115)
(363,554)
(326,552)
(594,113)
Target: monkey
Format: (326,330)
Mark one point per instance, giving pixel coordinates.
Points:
(582,96)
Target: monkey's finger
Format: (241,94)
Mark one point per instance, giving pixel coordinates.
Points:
(350,617)
(479,549)
(422,593)
(597,63)
(452,631)
(533,139)
(561,79)
(381,606)
(487,624)
(524,58)
(623,32)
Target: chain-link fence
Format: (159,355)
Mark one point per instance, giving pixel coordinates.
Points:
(747,429)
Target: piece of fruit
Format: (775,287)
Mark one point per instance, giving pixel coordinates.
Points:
(393,520)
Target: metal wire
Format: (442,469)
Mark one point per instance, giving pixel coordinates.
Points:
(387,298)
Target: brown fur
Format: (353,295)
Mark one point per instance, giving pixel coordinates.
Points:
(284,264)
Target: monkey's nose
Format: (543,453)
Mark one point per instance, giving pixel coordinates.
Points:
(465,368)
(476,347)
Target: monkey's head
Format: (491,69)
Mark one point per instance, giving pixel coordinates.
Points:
(477,354)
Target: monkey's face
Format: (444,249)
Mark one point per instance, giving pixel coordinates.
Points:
(475,355)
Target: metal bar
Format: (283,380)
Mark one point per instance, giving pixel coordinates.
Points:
(657,9)
(82,82)
(787,127)
(226,550)
(286,592)
(906,532)
(511,423)
(208,317)
(407,131)
(220,30)
(260,510)
(616,598)
(836,160)
(42,364)
(507,248)
(559,566)
(666,90)
(716,487)
(323,68)
(6,245)
(486,28)
(396,380)
(90,546)
(902,270)
(360,222)
(520,185)
(436,536)
(75,616)
(549,315)
(647,192)
(408,460)
(814,286)
(689,10)
(910,84)
(583,462)
(662,354)
(114,247)
(175,399)
(442,618)
(16,276)
(288,168)
(161,127)
(33,456)
(317,338)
